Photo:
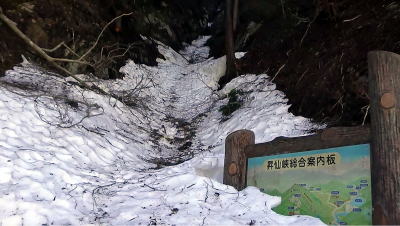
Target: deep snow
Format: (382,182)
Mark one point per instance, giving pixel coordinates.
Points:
(71,156)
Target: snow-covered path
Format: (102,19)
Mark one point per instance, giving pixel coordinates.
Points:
(188,92)
(70,156)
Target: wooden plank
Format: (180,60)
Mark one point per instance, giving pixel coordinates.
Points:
(235,159)
(329,138)
(384,91)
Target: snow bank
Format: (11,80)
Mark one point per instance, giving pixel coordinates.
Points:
(70,156)
(264,111)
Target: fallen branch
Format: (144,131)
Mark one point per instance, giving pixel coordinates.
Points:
(42,52)
(13,26)
(53,61)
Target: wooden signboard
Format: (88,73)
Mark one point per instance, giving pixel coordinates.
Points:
(326,175)
(333,184)
(331,174)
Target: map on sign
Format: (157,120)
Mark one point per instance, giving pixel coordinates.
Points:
(332,184)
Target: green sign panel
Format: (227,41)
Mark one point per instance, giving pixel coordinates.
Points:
(332,184)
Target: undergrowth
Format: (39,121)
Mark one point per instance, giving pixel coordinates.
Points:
(233,104)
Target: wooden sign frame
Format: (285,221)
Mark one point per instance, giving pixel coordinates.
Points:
(235,170)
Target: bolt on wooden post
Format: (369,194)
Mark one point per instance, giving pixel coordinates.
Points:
(235,158)
(384,91)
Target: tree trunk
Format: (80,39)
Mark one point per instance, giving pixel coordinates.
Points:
(384,91)
(235,163)
(230,72)
(235,15)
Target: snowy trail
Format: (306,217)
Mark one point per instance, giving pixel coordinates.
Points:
(188,93)
(71,157)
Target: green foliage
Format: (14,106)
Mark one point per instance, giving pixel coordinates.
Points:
(233,104)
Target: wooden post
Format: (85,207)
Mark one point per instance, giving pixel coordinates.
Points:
(235,158)
(384,91)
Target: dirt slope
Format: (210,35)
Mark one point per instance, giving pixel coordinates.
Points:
(325,75)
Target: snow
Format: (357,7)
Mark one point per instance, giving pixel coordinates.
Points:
(71,156)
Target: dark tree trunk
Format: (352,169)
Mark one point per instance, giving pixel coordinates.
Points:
(235,15)
(230,72)
(384,83)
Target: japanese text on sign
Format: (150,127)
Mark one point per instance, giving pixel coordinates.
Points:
(309,161)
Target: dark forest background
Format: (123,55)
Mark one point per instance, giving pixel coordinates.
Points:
(315,51)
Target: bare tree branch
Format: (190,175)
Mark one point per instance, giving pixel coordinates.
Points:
(53,61)
(108,58)
(58,46)
(101,33)
(12,25)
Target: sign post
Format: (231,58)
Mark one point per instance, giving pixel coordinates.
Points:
(384,91)
(235,158)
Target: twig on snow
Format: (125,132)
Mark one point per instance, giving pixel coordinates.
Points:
(153,188)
